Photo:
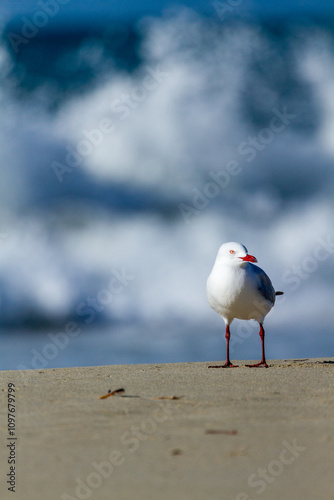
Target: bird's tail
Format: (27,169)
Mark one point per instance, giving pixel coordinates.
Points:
(279,293)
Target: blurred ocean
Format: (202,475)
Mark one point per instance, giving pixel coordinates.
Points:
(132,148)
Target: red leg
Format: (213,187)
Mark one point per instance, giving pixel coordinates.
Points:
(263,360)
(228,363)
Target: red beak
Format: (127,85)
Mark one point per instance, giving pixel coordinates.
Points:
(248,258)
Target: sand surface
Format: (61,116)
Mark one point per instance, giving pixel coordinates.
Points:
(178,431)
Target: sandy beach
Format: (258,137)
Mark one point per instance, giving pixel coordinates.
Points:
(176,431)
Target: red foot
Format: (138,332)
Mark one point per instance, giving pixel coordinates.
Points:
(262,364)
(227,365)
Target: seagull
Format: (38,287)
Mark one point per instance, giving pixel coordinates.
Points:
(236,288)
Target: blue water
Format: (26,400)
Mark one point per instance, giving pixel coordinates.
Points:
(133,145)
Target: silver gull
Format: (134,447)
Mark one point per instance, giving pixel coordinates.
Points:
(236,288)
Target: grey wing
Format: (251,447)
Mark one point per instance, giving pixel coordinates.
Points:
(264,285)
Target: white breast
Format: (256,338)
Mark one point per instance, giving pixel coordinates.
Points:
(234,292)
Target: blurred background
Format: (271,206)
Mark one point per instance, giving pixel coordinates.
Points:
(136,138)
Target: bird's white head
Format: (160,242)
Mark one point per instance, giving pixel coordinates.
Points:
(234,254)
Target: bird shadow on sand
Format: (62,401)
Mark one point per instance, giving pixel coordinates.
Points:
(308,361)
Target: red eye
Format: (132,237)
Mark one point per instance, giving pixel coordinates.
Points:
(232,252)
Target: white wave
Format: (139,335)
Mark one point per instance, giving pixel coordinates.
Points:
(54,272)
